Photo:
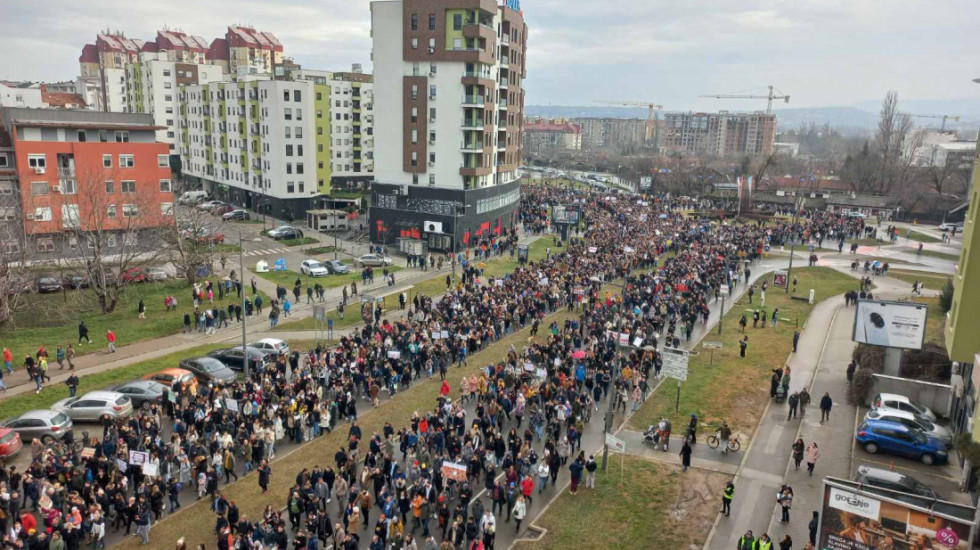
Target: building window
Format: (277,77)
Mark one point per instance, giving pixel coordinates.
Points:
(167,208)
(42,214)
(299,150)
(126,161)
(289,113)
(39,188)
(128,186)
(432,68)
(81,135)
(432,114)
(3,161)
(69,187)
(122,136)
(299,167)
(165,186)
(319,96)
(432,179)
(69,216)
(130,210)
(432,136)
(458,22)
(11,247)
(103,136)
(37,162)
(415,114)
(415,21)
(110,187)
(297,95)
(285,95)
(415,179)
(110,240)
(107,161)
(432,157)
(163,161)
(289,150)
(432,21)
(290,187)
(299,131)
(432,91)
(415,43)
(415,158)
(45,245)
(289,132)
(415,91)
(415,136)
(289,168)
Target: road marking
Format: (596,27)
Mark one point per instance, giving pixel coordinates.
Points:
(772,441)
(764,477)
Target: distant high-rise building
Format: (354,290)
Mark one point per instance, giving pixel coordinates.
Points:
(614,133)
(719,134)
(552,135)
(449,113)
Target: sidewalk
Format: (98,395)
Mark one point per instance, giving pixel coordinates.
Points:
(257,328)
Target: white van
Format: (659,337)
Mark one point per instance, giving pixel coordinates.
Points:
(192,197)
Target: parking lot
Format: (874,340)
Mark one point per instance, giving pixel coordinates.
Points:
(944,479)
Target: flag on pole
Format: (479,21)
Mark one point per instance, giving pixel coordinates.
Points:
(750,185)
(739,182)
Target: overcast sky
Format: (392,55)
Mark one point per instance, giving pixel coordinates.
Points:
(821,52)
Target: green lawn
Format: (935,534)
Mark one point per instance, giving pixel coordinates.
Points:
(932,280)
(299,242)
(935,322)
(647,505)
(320,250)
(866,241)
(921,237)
(736,389)
(940,255)
(255,220)
(288,278)
(227,248)
(352,316)
(24,402)
(50,319)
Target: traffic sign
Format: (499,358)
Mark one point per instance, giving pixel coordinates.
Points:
(675,363)
(725,290)
(615,444)
(711,345)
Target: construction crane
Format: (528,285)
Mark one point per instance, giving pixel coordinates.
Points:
(944,117)
(651,107)
(770,96)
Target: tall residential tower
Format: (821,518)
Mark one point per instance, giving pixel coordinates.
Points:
(449,108)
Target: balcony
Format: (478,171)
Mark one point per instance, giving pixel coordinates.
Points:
(66,173)
(505,39)
(473,124)
(504,61)
(502,104)
(503,82)
(474,100)
(471,147)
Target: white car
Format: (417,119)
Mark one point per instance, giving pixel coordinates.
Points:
(901,403)
(273,345)
(949,226)
(94,405)
(313,268)
(374,260)
(156,274)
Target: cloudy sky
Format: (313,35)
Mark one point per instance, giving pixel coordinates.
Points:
(821,52)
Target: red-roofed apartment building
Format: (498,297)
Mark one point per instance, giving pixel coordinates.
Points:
(550,135)
(79,180)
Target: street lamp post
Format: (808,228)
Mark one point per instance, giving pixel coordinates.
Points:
(241,259)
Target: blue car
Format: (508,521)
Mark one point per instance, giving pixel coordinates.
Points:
(894,438)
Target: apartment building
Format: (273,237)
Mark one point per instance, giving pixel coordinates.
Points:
(67,173)
(719,134)
(256,142)
(552,135)
(448,122)
(102,70)
(613,133)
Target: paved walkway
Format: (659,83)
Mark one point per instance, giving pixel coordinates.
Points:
(258,328)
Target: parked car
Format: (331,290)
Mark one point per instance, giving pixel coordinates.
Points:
(374,260)
(43,424)
(336,267)
(894,438)
(235,358)
(271,345)
(167,377)
(141,392)
(212,238)
(235,215)
(902,403)
(47,283)
(949,226)
(156,274)
(208,205)
(107,279)
(209,368)
(313,268)
(94,405)
(911,420)
(285,232)
(222,209)
(192,197)
(856,215)
(133,275)
(74,280)
(10,442)
(887,479)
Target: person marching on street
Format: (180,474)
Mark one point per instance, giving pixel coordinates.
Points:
(746,541)
(798,448)
(826,403)
(685,454)
(785,500)
(726,499)
(812,454)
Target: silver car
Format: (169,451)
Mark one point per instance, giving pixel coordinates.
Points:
(911,420)
(40,424)
(94,405)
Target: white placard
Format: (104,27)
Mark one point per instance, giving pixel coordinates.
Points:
(436,335)
(150,469)
(675,363)
(137,458)
(615,444)
(637,342)
(231,404)
(445,334)
(394,354)
(592,249)
(541,373)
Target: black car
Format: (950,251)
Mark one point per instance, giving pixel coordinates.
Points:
(75,280)
(47,283)
(287,233)
(209,368)
(141,392)
(234,358)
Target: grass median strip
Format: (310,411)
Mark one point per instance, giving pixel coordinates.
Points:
(736,389)
(196,522)
(647,505)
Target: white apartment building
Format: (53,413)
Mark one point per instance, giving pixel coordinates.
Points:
(152,86)
(448,112)
(254,142)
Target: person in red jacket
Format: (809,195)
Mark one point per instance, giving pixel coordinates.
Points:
(444,389)
(527,488)
(111,338)
(27,520)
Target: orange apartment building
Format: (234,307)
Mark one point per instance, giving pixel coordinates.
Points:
(102,173)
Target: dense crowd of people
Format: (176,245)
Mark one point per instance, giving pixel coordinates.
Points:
(513,428)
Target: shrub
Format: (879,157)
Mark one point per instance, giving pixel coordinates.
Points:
(946,296)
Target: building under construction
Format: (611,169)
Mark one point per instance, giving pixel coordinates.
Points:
(720,134)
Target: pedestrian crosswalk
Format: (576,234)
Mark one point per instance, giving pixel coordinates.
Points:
(267,251)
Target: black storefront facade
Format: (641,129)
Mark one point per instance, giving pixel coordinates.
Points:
(443,218)
(285,209)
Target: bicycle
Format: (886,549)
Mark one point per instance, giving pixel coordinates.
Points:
(733,443)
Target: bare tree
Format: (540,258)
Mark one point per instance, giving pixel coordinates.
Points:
(189,242)
(14,280)
(111,225)
(894,128)
(945,174)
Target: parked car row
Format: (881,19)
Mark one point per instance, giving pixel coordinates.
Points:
(896,425)
(119,400)
(48,282)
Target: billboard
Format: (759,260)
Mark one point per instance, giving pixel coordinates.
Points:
(857,519)
(890,324)
(565,214)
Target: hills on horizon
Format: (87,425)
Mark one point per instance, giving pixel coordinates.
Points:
(860,117)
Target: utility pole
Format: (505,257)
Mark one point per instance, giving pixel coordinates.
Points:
(611,410)
(241,260)
(721,315)
(798,205)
